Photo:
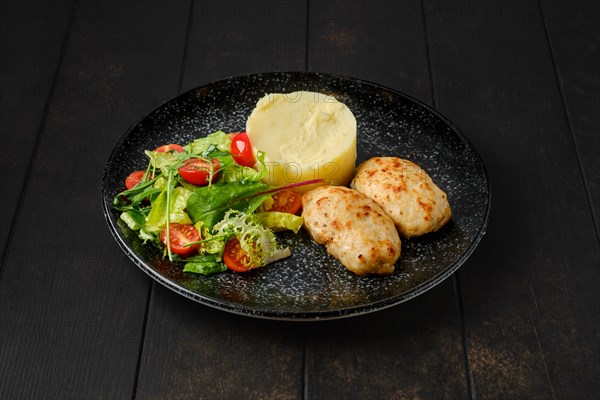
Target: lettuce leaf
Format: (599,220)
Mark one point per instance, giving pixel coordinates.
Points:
(161,183)
(239,173)
(145,236)
(278,221)
(133,219)
(156,220)
(218,139)
(164,161)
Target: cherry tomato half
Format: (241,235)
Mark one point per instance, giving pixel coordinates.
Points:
(287,201)
(169,147)
(134,178)
(197,171)
(241,150)
(180,235)
(235,257)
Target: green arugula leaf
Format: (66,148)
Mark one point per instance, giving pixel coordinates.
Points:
(208,204)
(130,199)
(205,268)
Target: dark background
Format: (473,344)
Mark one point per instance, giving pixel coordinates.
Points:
(519,320)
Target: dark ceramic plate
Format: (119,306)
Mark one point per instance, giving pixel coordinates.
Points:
(312,284)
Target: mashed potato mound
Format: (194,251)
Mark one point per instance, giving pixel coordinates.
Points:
(305,135)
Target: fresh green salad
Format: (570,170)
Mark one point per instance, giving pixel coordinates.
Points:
(205,204)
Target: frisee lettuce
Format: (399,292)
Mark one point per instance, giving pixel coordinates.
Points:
(210,244)
(259,242)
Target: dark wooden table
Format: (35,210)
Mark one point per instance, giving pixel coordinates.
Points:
(521,318)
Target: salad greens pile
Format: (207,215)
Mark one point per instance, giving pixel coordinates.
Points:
(234,203)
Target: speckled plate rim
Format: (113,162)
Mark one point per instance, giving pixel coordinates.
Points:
(309,315)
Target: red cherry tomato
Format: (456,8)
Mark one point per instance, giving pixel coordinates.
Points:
(180,235)
(169,147)
(287,201)
(134,178)
(197,171)
(241,150)
(235,257)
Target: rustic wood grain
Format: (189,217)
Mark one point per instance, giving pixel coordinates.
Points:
(192,351)
(528,301)
(195,352)
(410,351)
(235,37)
(31,34)
(381,41)
(574,34)
(72,305)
